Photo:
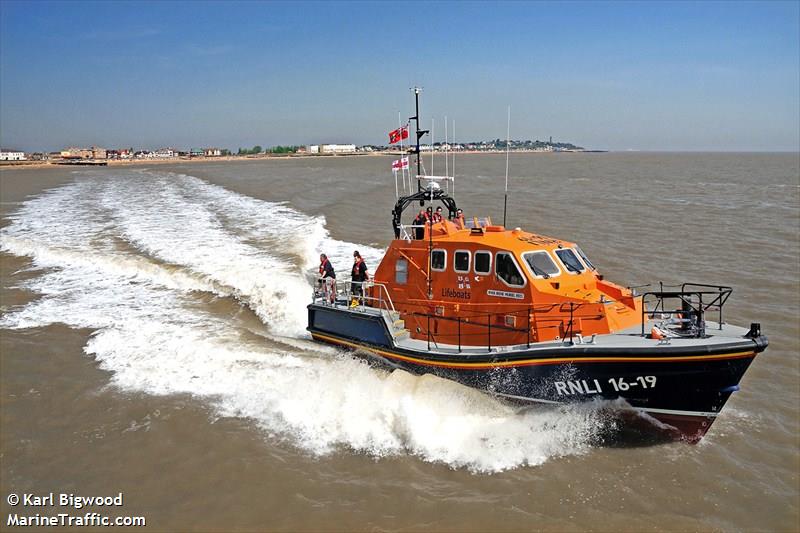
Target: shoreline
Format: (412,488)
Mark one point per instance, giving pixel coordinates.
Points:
(237,158)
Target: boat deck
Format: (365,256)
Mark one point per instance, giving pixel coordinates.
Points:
(627,339)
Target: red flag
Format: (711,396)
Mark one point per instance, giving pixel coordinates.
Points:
(400,164)
(398,134)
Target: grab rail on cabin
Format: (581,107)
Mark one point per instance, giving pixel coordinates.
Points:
(691,315)
(490,324)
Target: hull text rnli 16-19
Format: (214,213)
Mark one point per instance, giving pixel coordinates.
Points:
(529,318)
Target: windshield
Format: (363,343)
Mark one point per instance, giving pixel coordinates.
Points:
(540,264)
(570,260)
(585,259)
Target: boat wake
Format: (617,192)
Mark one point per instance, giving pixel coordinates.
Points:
(191,288)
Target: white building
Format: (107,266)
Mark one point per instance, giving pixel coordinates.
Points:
(313,149)
(7,154)
(212,152)
(338,148)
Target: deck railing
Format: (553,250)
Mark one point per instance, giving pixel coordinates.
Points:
(489,326)
(326,293)
(695,300)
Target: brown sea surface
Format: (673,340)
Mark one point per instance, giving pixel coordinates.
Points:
(153,344)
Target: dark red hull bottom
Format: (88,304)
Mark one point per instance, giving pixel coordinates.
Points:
(690,428)
(687,428)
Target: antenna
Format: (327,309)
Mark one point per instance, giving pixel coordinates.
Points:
(420,133)
(446,154)
(508,143)
(433,140)
(454,160)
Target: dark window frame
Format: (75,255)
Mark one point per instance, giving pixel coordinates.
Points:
(444,260)
(530,268)
(567,252)
(455,261)
(475,263)
(497,257)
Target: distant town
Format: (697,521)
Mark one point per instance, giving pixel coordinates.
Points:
(98,155)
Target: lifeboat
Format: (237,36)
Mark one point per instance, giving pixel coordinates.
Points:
(529,318)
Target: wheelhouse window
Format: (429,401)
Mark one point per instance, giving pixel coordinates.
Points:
(401,271)
(506,269)
(585,259)
(570,261)
(461,261)
(438,260)
(483,263)
(541,265)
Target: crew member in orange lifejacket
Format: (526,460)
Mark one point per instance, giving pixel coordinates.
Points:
(359,276)
(459,220)
(327,278)
(437,216)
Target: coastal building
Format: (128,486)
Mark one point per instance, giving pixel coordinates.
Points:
(164,153)
(84,153)
(313,149)
(337,148)
(212,152)
(122,153)
(76,153)
(9,154)
(196,152)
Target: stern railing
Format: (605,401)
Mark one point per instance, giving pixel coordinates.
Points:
(332,294)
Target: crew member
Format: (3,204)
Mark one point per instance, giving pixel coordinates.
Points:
(327,278)
(419,232)
(459,220)
(359,276)
(437,216)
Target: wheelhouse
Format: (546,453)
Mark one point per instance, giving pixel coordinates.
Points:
(463,277)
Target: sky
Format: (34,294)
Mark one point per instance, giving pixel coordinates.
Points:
(702,76)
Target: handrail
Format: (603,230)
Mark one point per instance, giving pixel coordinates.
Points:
(569,313)
(344,288)
(692,309)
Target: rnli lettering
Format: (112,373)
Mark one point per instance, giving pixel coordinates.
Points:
(581,386)
(447,292)
(586,386)
(506,294)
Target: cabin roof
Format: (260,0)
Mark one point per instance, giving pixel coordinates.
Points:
(447,233)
